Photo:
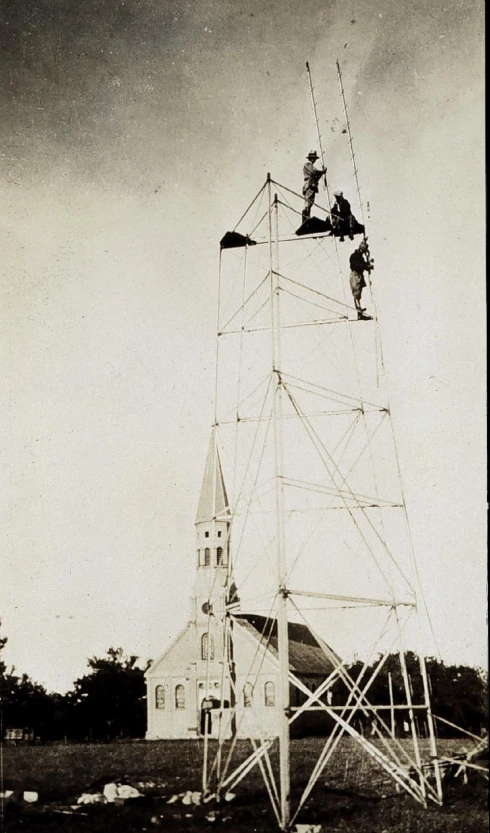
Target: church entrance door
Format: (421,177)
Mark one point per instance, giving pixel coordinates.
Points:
(207,705)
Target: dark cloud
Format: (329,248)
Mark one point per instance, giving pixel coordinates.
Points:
(62,59)
(113,86)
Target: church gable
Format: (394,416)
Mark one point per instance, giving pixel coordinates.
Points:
(175,659)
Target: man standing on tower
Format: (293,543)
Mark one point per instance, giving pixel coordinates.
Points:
(359,263)
(311,177)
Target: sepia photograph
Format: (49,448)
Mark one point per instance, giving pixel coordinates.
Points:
(243,549)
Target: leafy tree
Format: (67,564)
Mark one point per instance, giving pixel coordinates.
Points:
(110,701)
(24,703)
(458,693)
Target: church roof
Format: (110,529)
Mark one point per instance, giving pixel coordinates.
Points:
(213,502)
(306,654)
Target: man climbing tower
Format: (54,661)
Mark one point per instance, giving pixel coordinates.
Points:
(342,217)
(311,177)
(360,263)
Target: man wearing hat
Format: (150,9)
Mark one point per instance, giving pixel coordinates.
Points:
(359,263)
(341,216)
(311,177)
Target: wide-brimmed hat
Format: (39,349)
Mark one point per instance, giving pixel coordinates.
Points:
(313,155)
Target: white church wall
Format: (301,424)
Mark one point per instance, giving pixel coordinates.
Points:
(169,717)
(183,665)
(255,668)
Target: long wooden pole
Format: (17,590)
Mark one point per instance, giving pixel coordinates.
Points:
(411,716)
(351,144)
(282,613)
(319,135)
(392,708)
(430,726)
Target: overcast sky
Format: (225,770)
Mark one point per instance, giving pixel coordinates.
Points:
(134,133)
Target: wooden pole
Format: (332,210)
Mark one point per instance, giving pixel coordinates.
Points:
(351,144)
(319,135)
(430,726)
(392,709)
(413,727)
(203,714)
(282,614)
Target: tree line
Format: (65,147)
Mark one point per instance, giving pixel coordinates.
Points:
(458,694)
(109,701)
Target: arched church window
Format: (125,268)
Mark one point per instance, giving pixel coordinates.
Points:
(219,555)
(207,557)
(207,646)
(160,697)
(270,694)
(179,697)
(248,695)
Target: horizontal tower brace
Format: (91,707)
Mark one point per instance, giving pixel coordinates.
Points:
(337,412)
(317,322)
(334,492)
(359,599)
(358,708)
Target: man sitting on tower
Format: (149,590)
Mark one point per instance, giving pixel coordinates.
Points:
(360,262)
(311,177)
(341,215)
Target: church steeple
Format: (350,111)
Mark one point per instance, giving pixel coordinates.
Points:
(213,502)
(213,587)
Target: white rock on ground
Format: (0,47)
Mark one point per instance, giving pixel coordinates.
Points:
(91,798)
(126,791)
(30,796)
(110,792)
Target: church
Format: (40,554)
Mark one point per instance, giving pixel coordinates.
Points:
(220,676)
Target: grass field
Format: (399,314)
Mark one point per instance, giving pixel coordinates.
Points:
(347,797)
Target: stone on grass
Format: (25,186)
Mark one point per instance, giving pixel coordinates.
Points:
(118,793)
(126,791)
(110,792)
(30,796)
(91,798)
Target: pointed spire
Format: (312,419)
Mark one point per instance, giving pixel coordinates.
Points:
(213,502)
